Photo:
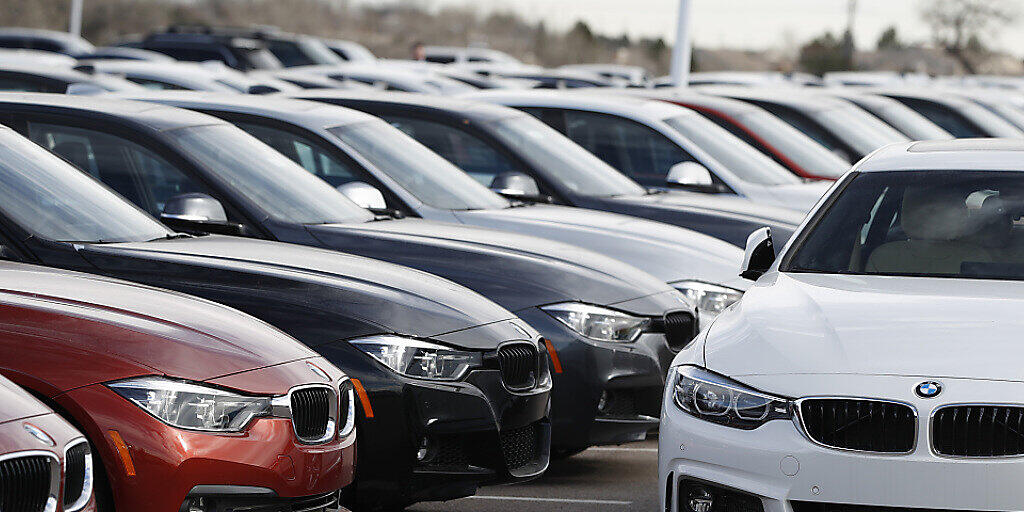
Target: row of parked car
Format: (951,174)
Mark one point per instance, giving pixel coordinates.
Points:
(220,286)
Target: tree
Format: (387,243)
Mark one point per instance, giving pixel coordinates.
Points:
(954,23)
(823,54)
(889,40)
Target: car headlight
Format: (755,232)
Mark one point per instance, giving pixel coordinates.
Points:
(717,399)
(710,299)
(596,322)
(191,405)
(419,359)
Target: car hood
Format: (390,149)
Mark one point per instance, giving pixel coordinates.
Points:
(667,252)
(718,202)
(514,270)
(790,324)
(800,196)
(18,404)
(376,297)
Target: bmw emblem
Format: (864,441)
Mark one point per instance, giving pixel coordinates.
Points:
(930,389)
(318,371)
(38,433)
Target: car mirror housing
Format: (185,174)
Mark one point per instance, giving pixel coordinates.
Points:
(759,254)
(198,213)
(516,185)
(691,175)
(363,194)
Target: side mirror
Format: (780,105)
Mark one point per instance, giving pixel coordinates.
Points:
(516,185)
(759,254)
(691,175)
(198,213)
(84,89)
(367,196)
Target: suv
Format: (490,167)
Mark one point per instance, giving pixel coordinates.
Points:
(201,44)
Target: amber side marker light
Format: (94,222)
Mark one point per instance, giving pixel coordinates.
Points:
(363,397)
(122,450)
(556,365)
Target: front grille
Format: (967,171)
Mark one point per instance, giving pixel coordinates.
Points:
(311,413)
(327,502)
(978,431)
(807,506)
(680,328)
(519,363)
(860,424)
(631,403)
(519,446)
(25,483)
(76,476)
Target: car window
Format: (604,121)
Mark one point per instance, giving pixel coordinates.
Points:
(947,118)
(920,223)
(289,53)
(637,150)
(303,151)
(195,54)
(156,85)
(15,83)
(135,172)
(468,152)
(811,129)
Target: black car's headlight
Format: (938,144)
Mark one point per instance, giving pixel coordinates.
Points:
(191,405)
(420,359)
(717,399)
(598,323)
(710,299)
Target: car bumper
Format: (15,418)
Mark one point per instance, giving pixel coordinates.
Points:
(780,469)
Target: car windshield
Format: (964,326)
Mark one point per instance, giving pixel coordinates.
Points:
(742,159)
(561,159)
(801,149)
(267,179)
(53,200)
(860,130)
(967,224)
(421,172)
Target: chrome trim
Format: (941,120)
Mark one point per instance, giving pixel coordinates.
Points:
(83,499)
(281,407)
(931,432)
(56,476)
(798,420)
(350,416)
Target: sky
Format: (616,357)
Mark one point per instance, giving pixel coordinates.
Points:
(751,24)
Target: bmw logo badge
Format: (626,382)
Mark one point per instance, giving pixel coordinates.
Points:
(930,389)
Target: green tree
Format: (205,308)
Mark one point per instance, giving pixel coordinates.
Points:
(823,54)
(889,40)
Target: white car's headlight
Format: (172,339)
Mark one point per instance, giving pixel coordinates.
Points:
(419,359)
(710,299)
(598,323)
(191,405)
(717,399)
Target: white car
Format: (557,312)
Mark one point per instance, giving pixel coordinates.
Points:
(873,366)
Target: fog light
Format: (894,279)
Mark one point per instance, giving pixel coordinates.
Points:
(193,505)
(602,404)
(425,448)
(700,500)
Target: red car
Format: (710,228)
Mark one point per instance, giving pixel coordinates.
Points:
(45,464)
(188,405)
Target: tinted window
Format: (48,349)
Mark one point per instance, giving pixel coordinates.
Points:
(637,150)
(16,83)
(310,155)
(154,84)
(196,55)
(812,129)
(289,53)
(53,200)
(947,118)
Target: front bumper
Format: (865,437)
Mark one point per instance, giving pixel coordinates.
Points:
(785,472)
(265,462)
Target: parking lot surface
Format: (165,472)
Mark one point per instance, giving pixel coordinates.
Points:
(602,479)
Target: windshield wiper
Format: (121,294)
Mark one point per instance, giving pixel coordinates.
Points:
(655,191)
(171,236)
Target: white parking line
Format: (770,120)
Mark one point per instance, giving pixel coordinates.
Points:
(616,449)
(552,500)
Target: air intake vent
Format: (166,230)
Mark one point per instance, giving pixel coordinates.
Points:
(25,483)
(519,363)
(860,424)
(978,431)
(519,446)
(77,476)
(311,414)
(680,328)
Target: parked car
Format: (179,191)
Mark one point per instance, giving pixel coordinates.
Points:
(545,78)
(663,145)
(842,128)
(772,136)
(462,55)
(958,116)
(489,389)
(63,80)
(124,53)
(45,462)
(1007,104)
(538,164)
(306,80)
(199,44)
(350,51)
(901,117)
(208,76)
(382,169)
(187,404)
(633,76)
(916,250)
(389,77)
(46,40)
(35,58)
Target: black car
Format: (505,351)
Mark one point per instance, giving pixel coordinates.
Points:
(488,142)
(201,44)
(611,329)
(454,390)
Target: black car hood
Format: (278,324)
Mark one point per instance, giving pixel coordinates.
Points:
(373,296)
(719,203)
(516,271)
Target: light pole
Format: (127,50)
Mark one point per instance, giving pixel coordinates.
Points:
(681,50)
(75,18)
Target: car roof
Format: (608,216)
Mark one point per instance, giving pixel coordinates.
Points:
(957,155)
(793,97)
(310,114)
(727,105)
(150,115)
(940,96)
(455,106)
(596,101)
(65,38)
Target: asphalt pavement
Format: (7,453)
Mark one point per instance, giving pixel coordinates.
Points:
(602,479)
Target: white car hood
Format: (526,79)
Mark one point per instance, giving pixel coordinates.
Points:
(872,325)
(668,252)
